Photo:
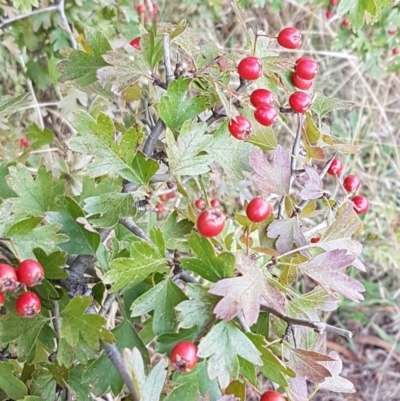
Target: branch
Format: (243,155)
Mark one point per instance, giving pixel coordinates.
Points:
(116,359)
(319,327)
(61,11)
(10,21)
(148,148)
(128,223)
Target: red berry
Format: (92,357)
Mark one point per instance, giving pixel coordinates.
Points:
(155,9)
(314,240)
(2,299)
(8,278)
(171,195)
(135,43)
(24,143)
(240,128)
(266,114)
(261,96)
(164,198)
(396,51)
(183,356)
(214,203)
(30,272)
(211,222)
(351,183)
(345,22)
(361,204)
(306,68)
(392,31)
(290,38)
(160,208)
(258,210)
(328,14)
(141,8)
(28,304)
(200,203)
(301,83)
(300,102)
(250,68)
(272,396)
(335,167)
(334,3)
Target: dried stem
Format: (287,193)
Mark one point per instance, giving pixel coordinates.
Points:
(10,21)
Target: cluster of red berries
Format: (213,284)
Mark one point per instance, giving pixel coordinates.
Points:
(211,221)
(329,12)
(184,358)
(351,184)
(251,68)
(29,273)
(149,11)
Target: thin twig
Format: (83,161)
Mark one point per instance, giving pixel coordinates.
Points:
(10,21)
(61,11)
(128,223)
(148,148)
(319,327)
(169,74)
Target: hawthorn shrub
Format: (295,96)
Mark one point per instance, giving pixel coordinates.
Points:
(133,281)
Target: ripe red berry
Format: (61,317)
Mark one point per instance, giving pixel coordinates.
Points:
(335,167)
(261,96)
(28,304)
(328,14)
(334,3)
(300,102)
(258,210)
(361,204)
(301,83)
(141,8)
(396,51)
(351,183)
(265,114)
(171,195)
(135,43)
(314,240)
(200,203)
(164,198)
(183,356)
(392,31)
(306,67)
(211,222)
(214,203)
(345,22)
(8,278)
(160,208)
(290,38)
(30,272)
(272,396)
(2,299)
(250,68)
(240,128)
(24,143)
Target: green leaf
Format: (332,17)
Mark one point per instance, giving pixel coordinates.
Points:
(175,108)
(167,341)
(80,67)
(154,383)
(272,367)
(60,39)
(109,208)
(5,191)
(52,263)
(312,131)
(27,236)
(96,138)
(323,105)
(184,153)
(9,104)
(208,265)
(199,309)
(39,137)
(193,382)
(75,323)
(82,241)
(101,374)
(161,299)
(75,382)
(222,345)
(144,260)
(35,197)
(175,232)
(231,154)
(143,168)
(12,386)
(43,384)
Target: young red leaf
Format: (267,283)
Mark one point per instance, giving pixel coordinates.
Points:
(313,187)
(325,270)
(288,232)
(308,364)
(336,383)
(243,293)
(272,177)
